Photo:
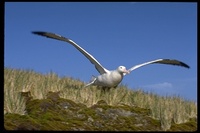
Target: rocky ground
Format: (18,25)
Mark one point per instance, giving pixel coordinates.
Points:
(55,113)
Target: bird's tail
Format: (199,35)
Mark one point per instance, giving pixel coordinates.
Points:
(93,79)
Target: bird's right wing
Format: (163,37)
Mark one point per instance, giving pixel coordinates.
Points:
(98,66)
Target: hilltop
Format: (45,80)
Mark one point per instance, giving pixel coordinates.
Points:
(33,101)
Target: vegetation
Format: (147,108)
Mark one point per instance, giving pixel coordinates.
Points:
(26,93)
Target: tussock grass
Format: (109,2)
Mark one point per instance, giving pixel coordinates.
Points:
(167,109)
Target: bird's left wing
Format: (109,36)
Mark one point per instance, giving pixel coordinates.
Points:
(98,66)
(160,61)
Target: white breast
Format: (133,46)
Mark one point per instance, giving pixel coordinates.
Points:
(109,79)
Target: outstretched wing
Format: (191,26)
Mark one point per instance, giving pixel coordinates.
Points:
(98,66)
(160,61)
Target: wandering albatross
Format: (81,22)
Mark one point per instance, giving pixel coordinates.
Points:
(107,78)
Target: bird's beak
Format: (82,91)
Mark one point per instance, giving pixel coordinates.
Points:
(126,71)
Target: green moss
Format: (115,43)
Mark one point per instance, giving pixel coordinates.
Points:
(191,125)
(107,119)
(88,112)
(55,113)
(9,124)
(20,122)
(52,116)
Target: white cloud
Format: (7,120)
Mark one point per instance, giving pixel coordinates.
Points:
(164,85)
(164,88)
(186,88)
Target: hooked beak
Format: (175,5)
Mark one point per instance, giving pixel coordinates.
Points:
(126,71)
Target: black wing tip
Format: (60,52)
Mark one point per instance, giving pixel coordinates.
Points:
(185,65)
(181,63)
(39,32)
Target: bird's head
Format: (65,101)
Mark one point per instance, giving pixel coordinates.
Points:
(122,69)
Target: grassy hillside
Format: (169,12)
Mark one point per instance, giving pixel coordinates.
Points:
(25,91)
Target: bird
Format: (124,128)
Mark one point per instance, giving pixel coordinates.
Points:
(107,78)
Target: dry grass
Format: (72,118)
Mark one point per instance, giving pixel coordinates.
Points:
(168,109)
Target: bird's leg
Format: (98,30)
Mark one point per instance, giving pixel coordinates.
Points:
(105,89)
(115,87)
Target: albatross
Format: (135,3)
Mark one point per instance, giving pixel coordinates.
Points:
(108,78)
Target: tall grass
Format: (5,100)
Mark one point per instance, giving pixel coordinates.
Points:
(167,109)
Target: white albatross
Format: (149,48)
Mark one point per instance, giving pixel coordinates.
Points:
(108,78)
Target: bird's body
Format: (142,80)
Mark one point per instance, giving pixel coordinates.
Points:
(108,78)
(105,80)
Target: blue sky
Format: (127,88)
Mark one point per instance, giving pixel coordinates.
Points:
(124,33)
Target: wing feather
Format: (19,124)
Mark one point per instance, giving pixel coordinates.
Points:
(160,61)
(98,66)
